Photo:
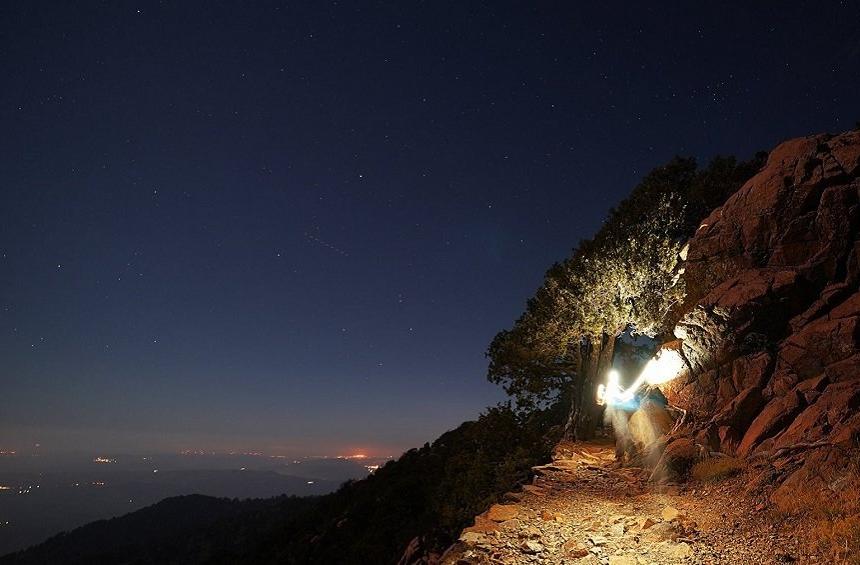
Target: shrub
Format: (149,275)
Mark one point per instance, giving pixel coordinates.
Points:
(831,507)
(839,537)
(716,469)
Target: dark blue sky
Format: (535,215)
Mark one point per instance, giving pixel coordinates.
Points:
(296,227)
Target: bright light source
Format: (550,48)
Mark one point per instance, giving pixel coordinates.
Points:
(612,378)
(662,368)
(611,392)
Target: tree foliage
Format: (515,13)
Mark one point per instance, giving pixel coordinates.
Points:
(626,278)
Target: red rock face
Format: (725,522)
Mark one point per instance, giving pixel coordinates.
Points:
(772,329)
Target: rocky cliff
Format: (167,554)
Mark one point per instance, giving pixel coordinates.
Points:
(772,317)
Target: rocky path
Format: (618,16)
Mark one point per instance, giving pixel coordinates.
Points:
(581,509)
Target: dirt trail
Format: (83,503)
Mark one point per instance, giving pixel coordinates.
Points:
(581,509)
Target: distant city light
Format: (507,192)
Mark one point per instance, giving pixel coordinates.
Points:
(103,460)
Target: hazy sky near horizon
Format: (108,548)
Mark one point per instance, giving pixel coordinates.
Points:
(296,227)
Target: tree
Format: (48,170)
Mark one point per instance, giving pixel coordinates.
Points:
(625,279)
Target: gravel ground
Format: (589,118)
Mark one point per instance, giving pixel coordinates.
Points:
(581,510)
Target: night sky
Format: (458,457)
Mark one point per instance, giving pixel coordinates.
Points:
(295,228)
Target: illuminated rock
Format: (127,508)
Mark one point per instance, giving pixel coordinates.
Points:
(547,516)
(670,513)
(677,459)
(771,324)
(623,560)
(778,413)
(473,537)
(503,512)
(574,550)
(531,547)
(482,525)
(663,531)
(648,423)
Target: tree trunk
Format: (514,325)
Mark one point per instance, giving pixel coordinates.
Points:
(583,421)
(573,413)
(608,354)
(577,387)
(595,362)
(587,425)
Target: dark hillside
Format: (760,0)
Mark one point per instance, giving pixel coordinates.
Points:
(422,501)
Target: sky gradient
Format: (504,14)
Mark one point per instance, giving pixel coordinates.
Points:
(295,228)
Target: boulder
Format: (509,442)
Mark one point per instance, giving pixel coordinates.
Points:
(473,537)
(741,410)
(681,550)
(648,423)
(574,550)
(844,370)
(482,525)
(811,389)
(670,513)
(778,413)
(835,408)
(503,512)
(531,547)
(756,301)
(750,371)
(808,352)
(663,531)
(677,459)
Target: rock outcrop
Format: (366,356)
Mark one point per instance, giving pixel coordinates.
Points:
(771,331)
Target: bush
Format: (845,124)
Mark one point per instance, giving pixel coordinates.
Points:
(831,507)
(716,469)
